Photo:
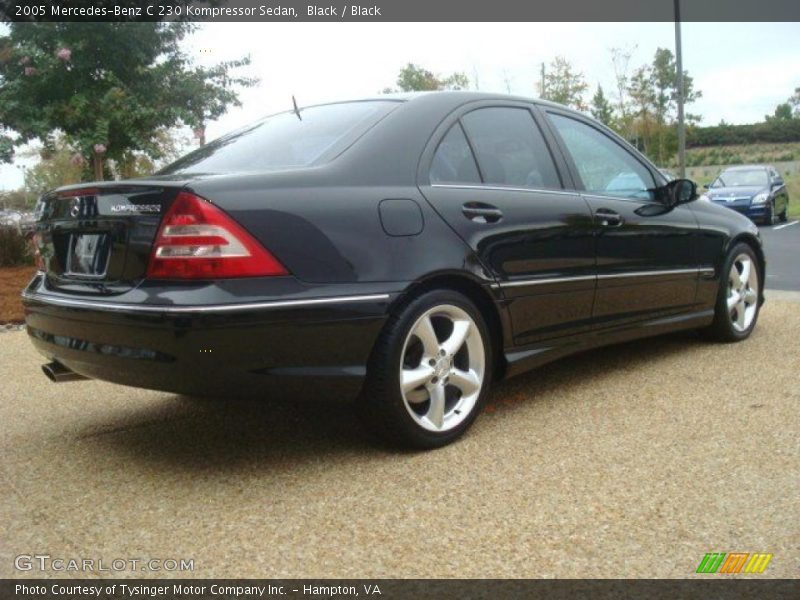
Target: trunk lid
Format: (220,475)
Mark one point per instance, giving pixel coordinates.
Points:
(97,238)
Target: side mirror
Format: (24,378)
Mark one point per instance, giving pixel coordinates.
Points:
(777,183)
(706,186)
(678,191)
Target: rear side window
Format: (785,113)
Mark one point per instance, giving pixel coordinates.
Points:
(510,148)
(285,140)
(453,161)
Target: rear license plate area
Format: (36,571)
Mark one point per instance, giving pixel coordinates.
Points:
(88,254)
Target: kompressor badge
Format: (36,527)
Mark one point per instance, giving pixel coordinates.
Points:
(136,208)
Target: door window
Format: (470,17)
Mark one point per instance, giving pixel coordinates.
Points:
(510,148)
(604,166)
(453,161)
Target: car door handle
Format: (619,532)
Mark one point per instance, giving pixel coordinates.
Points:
(481,212)
(606,217)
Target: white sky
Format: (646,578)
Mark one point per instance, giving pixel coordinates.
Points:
(743,69)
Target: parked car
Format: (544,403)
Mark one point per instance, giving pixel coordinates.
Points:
(756,191)
(406,251)
(10,217)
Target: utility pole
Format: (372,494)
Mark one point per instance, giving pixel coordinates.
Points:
(679,65)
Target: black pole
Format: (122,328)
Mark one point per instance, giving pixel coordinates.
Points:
(679,66)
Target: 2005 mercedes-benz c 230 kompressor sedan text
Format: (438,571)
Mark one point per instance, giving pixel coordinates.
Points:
(405,251)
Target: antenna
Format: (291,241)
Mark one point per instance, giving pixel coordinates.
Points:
(296,110)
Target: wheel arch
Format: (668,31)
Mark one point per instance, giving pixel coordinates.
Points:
(478,292)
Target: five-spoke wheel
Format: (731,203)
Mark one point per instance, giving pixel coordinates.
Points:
(442,368)
(429,372)
(739,296)
(742,292)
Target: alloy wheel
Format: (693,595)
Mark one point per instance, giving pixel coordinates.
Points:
(442,368)
(742,292)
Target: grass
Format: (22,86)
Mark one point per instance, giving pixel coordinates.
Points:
(793,186)
(742,154)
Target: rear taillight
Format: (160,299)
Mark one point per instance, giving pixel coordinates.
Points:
(197,240)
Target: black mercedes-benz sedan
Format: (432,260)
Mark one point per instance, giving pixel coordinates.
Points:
(404,251)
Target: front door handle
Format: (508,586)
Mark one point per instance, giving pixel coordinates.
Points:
(606,217)
(481,212)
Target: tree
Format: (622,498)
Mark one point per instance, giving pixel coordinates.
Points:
(563,84)
(621,59)
(643,99)
(794,101)
(783,112)
(413,78)
(17,199)
(653,93)
(664,75)
(111,89)
(601,108)
(58,165)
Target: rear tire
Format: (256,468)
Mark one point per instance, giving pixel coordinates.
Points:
(429,373)
(738,299)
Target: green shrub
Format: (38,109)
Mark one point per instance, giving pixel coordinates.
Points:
(766,132)
(14,248)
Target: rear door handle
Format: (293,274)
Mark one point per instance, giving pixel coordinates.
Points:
(481,212)
(606,217)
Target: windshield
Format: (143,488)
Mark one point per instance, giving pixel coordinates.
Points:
(741,178)
(285,139)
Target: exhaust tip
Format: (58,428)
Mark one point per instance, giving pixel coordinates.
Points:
(48,371)
(58,373)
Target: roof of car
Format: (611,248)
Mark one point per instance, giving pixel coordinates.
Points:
(457,96)
(747,167)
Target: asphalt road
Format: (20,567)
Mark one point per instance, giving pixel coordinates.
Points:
(632,461)
(782,248)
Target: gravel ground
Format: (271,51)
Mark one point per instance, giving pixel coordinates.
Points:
(632,461)
(12,281)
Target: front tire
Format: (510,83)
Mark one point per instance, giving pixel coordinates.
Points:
(784,215)
(738,299)
(769,218)
(429,373)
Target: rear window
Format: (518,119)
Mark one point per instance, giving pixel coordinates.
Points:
(286,140)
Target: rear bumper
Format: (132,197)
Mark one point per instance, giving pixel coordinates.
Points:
(314,346)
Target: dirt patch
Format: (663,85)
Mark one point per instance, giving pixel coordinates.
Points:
(12,281)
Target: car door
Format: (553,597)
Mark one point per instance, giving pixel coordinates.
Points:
(492,176)
(646,252)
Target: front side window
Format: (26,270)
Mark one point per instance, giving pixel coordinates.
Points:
(510,148)
(453,161)
(604,166)
(285,140)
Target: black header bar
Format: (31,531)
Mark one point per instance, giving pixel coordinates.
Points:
(400,10)
(718,587)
